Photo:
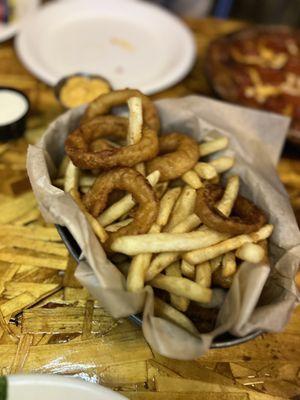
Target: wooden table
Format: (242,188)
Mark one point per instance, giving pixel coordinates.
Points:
(49,324)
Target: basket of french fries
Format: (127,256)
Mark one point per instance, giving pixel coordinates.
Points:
(178,213)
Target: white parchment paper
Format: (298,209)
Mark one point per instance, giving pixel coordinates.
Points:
(261,296)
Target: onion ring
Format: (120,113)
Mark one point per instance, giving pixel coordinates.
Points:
(78,142)
(132,181)
(104,103)
(182,154)
(246,217)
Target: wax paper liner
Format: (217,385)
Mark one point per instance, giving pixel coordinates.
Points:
(261,296)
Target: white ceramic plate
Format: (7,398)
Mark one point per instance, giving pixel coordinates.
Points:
(130,43)
(7,31)
(55,387)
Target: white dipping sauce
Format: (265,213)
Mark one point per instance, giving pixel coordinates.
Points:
(12,106)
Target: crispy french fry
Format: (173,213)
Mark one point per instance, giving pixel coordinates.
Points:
(192,179)
(213,146)
(138,267)
(164,310)
(87,180)
(203,274)
(116,226)
(228,264)
(215,263)
(116,210)
(161,261)
(135,120)
(141,168)
(205,170)
(226,204)
(166,205)
(160,189)
(96,226)
(187,225)
(207,253)
(250,252)
(182,287)
(121,207)
(63,167)
(187,269)
(220,280)
(222,164)
(179,302)
(184,206)
(164,242)
(71,177)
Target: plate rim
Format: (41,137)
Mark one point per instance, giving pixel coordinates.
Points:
(182,69)
(61,381)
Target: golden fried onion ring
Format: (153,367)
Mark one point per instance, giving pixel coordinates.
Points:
(132,181)
(103,104)
(77,144)
(179,153)
(246,216)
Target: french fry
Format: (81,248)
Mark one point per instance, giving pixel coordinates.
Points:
(184,206)
(165,242)
(96,226)
(87,180)
(182,287)
(205,170)
(160,189)
(220,280)
(213,146)
(215,263)
(222,164)
(187,269)
(161,261)
(138,267)
(203,274)
(250,252)
(63,167)
(166,205)
(207,253)
(179,302)
(192,179)
(228,264)
(71,177)
(164,310)
(121,207)
(187,225)
(116,226)
(226,204)
(141,168)
(135,120)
